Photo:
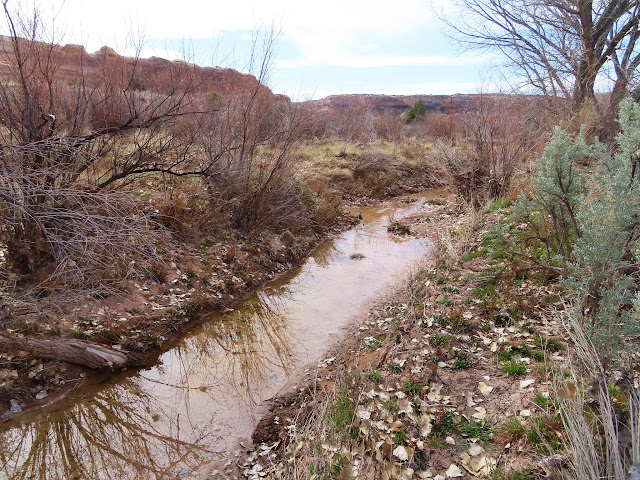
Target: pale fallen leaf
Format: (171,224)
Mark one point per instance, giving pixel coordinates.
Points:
(481,413)
(526,383)
(425,424)
(450,440)
(485,389)
(403,453)
(454,471)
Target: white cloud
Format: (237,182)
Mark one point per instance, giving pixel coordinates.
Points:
(318,30)
(388,61)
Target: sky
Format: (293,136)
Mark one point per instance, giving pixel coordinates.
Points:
(394,47)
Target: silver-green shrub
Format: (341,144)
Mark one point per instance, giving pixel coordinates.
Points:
(582,223)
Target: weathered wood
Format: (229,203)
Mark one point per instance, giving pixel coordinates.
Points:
(77,352)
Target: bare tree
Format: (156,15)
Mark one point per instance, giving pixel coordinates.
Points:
(562,48)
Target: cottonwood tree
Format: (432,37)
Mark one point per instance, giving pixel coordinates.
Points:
(562,48)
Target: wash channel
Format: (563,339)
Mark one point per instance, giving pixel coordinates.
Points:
(207,392)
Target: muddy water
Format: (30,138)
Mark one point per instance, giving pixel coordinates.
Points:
(172,420)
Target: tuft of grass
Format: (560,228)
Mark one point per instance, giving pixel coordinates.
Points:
(497,474)
(514,429)
(374,375)
(471,255)
(547,343)
(412,388)
(486,290)
(480,429)
(445,425)
(439,339)
(394,367)
(400,437)
(463,362)
(515,368)
(392,406)
(421,460)
(341,413)
(543,435)
(446,301)
(442,320)
(502,320)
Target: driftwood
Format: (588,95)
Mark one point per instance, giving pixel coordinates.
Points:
(78,352)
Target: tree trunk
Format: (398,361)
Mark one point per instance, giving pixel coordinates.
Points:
(77,352)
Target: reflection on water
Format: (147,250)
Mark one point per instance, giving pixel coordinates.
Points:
(204,394)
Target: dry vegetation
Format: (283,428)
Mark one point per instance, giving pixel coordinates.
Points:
(125,211)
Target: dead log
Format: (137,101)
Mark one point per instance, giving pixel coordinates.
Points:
(77,352)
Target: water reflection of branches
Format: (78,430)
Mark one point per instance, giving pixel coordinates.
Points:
(324,254)
(240,350)
(113,436)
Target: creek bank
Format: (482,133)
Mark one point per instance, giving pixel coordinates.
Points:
(444,378)
(136,326)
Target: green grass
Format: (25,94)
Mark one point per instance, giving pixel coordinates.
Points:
(341,413)
(463,362)
(471,255)
(421,460)
(438,443)
(400,437)
(505,355)
(515,368)
(392,406)
(394,367)
(446,301)
(514,428)
(412,388)
(374,375)
(480,429)
(486,290)
(543,402)
(80,335)
(442,320)
(445,425)
(542,435)
(502,320)
(525,474)
(548,343)
(439,339)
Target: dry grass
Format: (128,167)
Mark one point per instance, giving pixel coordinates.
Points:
(600,416)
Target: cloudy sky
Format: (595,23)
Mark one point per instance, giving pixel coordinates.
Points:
(322,48)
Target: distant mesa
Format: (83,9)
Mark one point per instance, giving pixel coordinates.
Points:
(73,61)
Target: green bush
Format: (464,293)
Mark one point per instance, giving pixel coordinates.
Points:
(582,224)
(417,112)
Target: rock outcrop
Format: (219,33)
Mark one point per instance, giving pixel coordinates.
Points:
(72,63)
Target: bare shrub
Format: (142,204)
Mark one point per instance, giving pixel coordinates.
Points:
(501,136)
(388,126)
(77,237)
(250,145)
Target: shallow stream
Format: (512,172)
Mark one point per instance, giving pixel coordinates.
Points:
(208,391)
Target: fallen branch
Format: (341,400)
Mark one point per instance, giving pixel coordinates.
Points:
(77,352)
